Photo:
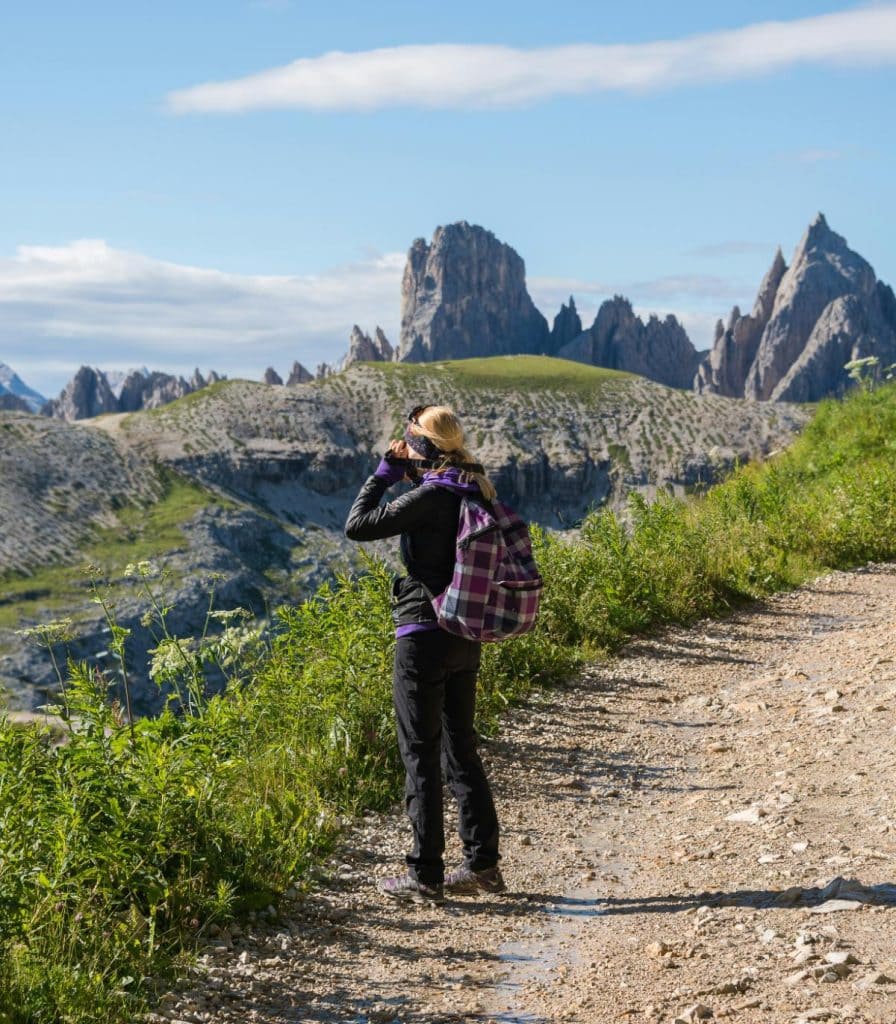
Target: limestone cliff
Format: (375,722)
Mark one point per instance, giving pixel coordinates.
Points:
(725,368)
(464,295)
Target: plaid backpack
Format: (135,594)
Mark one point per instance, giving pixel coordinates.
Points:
(496,587)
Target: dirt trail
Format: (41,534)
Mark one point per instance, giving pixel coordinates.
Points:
(704,828)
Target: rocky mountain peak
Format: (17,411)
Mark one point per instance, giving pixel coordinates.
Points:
(271,377)
(618,339)
(364,349)
(298,375)
(11,384)
(809,319)
(567,325)
(86,395)
(463,295)
(89,393)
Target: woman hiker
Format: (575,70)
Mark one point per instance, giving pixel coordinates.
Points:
(434,676)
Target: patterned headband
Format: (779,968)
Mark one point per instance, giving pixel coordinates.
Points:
(423,446)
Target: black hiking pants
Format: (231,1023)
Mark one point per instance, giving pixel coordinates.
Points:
(434,689)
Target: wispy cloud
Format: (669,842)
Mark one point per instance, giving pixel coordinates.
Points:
(814,156)
(87,302)
(733,247)
(485,76)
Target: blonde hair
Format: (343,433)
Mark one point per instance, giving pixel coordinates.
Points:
(440,424)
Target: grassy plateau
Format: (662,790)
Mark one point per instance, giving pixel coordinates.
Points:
(120,846)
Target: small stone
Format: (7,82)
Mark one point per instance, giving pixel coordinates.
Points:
(750,816)
(840,956)
(832,696)
(525,841)
(876,978)
(800,847)
(833,906)
(769,935)
(747,1004)
(657,949)
(694,1013)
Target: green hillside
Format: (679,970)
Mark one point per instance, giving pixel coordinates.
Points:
(519,374)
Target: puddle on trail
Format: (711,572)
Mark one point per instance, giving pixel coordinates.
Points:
(550,948)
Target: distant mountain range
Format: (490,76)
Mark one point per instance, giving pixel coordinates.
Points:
(464,295)
(15,393)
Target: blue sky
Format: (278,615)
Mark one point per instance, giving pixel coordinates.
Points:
(143,220)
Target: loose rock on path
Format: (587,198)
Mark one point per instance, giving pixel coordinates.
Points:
(702,829)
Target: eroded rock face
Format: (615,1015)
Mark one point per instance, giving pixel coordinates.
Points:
(619,340)
(271,376)
(567,325)
(90,393)
(149,391)
(86,395)
(812,325)
(808,321)
(364,349)
(464,295)
(724,370)
(298,375)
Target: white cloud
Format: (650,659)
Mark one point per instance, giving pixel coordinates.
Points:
(483,76)
(87,302)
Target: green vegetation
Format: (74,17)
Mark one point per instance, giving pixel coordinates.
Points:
(143,532)
(522,374)
(121,845)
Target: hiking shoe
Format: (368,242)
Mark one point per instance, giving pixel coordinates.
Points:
(406,887)
(464,881)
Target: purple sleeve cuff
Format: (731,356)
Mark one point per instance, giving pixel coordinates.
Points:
(389,471)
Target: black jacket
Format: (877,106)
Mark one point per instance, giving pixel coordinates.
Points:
(426,518)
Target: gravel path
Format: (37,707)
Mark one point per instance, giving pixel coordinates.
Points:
(704,828)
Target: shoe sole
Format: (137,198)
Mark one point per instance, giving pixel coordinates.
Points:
(474,888)
(412,897)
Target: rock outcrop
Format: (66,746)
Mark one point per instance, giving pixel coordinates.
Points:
(464,295)
(724,370)
(619,340)
(364,349)
(151,390)
(298,375)
(567,325)
(271,376)
(90,393)
(86,395)
(809,320)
